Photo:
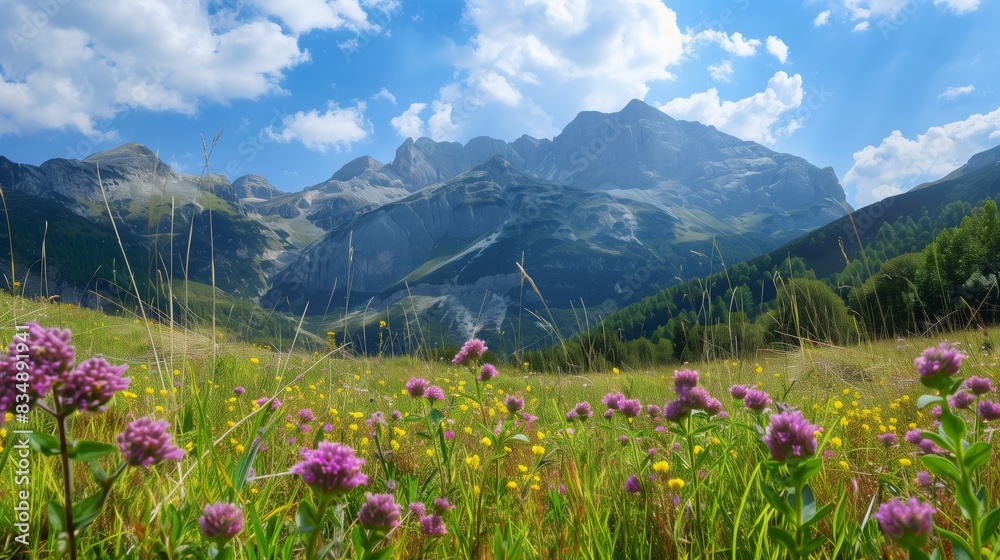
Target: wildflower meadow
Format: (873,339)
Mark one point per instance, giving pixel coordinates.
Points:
(124,438)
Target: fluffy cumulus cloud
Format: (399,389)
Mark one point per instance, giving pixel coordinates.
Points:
(385,95)
(530,60)
(409,124)
(721,72)
(81,62)
(735,44)
(764,116)
(778,48)
(336,128)
(822,18)
(899,163)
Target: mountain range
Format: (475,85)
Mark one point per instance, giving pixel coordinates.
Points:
(615,207)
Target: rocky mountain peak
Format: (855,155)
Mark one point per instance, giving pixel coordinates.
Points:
(254,186)
(356,167)
(132,155)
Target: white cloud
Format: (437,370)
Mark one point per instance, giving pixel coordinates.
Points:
(721,72)
(302,16)
(959,6)
(735,44)
(409,124)
(956,91)
(528,60)
(96,60)
(336,128)
(898,163)
(761,117)
(386,95)
(861,26)
(888,12)
(778,48)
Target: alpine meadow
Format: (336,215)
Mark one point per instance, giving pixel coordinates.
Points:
(567,279)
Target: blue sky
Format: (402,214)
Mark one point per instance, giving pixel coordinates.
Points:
(887,92)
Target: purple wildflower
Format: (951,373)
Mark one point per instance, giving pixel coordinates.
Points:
(572,416)
(91,385)
(488,372)
(396,415)
(434,393)
(888,439)
(713,407)
(514,404)
(978,385)
(696,398)
(416,387)
(331,468)
(239,390)
(632,485)
(961,399)
(380,512)
(45,355)
(221,522)
(908,523)
(418,508)
(631,408)
(442,505)
(470,351)
(928,447)
(675,410)
(623,439)
(939,362)
(613,400)
(790,437)
(913,436)
(146,442)
(684,381)
(306,415)
(449,435)
(328,427)
(433,525)
(757,400)
(654,411)
(739,392)
(925,479)
(609,413)
(583,410)
(989,410)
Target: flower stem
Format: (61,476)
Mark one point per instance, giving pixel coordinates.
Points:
(313,540)
(67,481)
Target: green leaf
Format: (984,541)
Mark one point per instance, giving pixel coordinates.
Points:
(802,472)
(779,505)
(91,450)
(967,501)
(977,455)
(953,425)
(941,467)
(43,443)
(435,417)
(988,526)
(808,503)
(521,438)
(87,510)
(57,517)
(305,517)
(927,400)
(820,514)
(942,442)
(99,475)
(783,538)
(960,549)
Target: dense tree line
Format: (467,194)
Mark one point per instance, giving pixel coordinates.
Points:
(912,275)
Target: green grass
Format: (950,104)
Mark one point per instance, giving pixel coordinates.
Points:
(566,502)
